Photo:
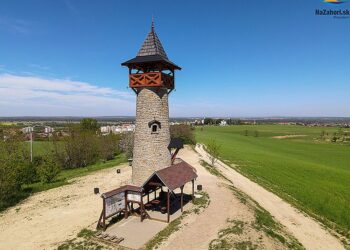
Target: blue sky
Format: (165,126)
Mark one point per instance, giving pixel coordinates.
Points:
(239,58)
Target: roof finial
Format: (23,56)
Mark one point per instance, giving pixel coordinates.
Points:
(152,27)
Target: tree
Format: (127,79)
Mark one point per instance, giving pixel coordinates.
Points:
(89,124)
(256,133)
(183,132)
(109,146)
(48,169)
(245,132)
(79,149)
(13,164)
(127,144)
(322,136)
(213,149)
(208,121)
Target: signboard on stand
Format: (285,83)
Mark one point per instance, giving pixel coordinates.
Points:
(114,204)
(134,196)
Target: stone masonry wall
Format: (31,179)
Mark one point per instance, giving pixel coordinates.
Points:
(150,149)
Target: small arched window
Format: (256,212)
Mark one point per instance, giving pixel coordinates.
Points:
(154,125)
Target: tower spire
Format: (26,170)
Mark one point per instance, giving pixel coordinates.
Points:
(152,45)
(152,25)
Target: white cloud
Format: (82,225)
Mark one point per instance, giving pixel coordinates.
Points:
(32,95)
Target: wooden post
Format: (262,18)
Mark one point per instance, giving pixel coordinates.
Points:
(104,215)
(182,198)
(192,190)
(155,195)
(126,213)
(148,197)
(168,206)
(141,210)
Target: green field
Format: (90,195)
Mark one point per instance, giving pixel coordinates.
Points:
(314,175)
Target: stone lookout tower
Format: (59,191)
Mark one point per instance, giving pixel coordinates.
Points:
(152,78)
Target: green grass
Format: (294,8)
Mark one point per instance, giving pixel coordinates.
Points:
(65,175)
(40,148)
(83,241)
(312,174)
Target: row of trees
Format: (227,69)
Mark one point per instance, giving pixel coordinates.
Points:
(212,121)
(338,136)
(183,132)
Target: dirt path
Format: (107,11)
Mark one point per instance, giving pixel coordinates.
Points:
(45,219)
(288,136)
(198,231)
(309,232)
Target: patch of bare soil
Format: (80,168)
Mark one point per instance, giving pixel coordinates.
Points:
(288,136)
(47,219)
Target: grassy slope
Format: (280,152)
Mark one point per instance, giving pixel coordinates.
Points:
(315,176)
(65,175)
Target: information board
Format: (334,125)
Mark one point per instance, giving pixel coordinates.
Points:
(134,196)
(114,204)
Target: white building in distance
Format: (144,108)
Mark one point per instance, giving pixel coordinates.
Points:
(117,129)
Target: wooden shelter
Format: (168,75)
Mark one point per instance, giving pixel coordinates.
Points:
(173,177)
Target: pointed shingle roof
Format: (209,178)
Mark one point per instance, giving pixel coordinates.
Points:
(151,51)
(152,45)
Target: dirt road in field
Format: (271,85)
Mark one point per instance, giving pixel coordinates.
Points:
(309,232)
(198,231)
(46,219)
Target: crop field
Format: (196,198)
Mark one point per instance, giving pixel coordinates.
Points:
(311,173)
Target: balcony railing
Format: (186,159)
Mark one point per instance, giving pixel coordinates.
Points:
(151,79)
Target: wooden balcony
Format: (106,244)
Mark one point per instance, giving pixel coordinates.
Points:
(151,79)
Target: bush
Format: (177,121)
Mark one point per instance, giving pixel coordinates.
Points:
(183,132)
(214,150)
(127,144)
(13,163)
(79,149)
(48,170)
(109,146)
(89,124)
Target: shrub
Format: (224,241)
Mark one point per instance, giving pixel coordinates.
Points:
(79,149)
(13,162)
(89,124)
(214,150)
(183,132)
(48,170)
(127,144)
(109,146)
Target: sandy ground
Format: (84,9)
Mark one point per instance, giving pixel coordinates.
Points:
(309,232)
(45,219)
(287,136)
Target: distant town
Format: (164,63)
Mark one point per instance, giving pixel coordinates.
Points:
(44,127)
